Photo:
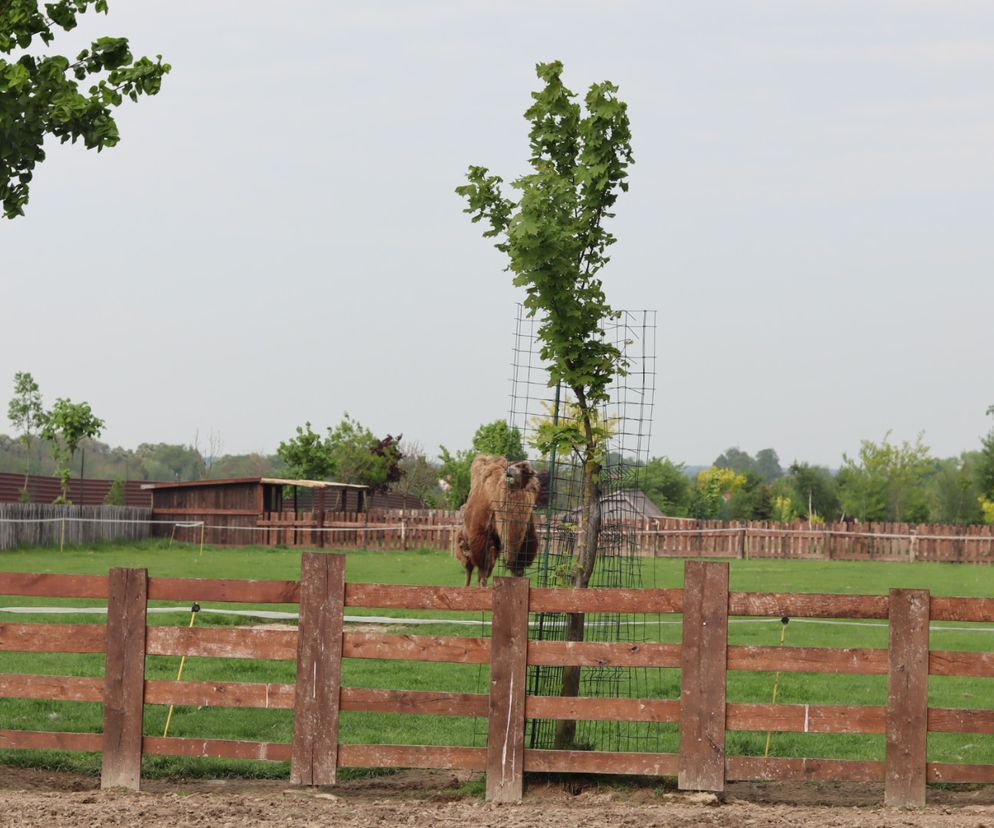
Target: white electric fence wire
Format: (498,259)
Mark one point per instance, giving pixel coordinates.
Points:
(359,527)
(277,615)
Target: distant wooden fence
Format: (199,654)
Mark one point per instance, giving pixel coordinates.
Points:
(85,491)
(321,642)
(42,524)
(661,538)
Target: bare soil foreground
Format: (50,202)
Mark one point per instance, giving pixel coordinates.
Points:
(32,798)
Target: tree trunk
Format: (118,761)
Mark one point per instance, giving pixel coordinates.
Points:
(587,536)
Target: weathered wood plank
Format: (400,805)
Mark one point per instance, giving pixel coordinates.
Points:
(592,761)
(319,669)
(423,702)
(219,694)
(807,605)
(907,699)
(962,609)
(703,672)
(124,678)
(412,756)
(944,772)
(759,769)
(808,660)
(803,718)
(602,709)
(960,720)
(457,649)
(606,600)
(390,596)
(218,642)
(604,653)
(506,708)
(61,688)
(51,740)
(228,590)
(53,638)
(949,663)
(220,748)
(53,585)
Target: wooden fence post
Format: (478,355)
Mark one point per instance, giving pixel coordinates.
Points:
(907,698)
(314,758)
(508,666)
(703,665)
(124,678)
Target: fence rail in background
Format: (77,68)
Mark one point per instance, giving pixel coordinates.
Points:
(318,697)
(650,537)
(402,529)
(42,524)
(82,491)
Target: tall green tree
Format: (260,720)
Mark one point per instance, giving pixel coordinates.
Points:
(665,483)
(555,237)
(984,469)
(886,481)
(27,415)
(70,99)
(768,464)
(64,427)
(306,455)
(811,489)
(499,438)
(736,460)
(349,453)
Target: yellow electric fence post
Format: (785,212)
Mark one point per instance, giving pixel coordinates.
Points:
(179,675)
(203,531)
(173,535)
(776,681)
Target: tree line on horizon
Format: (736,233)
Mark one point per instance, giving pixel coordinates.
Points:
(884,481)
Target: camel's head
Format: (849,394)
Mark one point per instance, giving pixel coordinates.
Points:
(519,475)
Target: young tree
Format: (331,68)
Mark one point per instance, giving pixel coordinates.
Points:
(26,414)
(64,427)
(555,237)
(40,95)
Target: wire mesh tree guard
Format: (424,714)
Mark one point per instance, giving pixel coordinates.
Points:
(628,418)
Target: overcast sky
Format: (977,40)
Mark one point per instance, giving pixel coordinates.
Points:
(276,239)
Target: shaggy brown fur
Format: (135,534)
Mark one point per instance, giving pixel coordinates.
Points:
(497,517)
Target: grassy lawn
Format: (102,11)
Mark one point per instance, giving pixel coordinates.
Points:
(425,567)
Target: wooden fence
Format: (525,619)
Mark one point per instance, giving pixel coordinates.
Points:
(321,642)
(42,524)
(649,537)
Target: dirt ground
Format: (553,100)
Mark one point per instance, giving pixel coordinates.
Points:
(35,799)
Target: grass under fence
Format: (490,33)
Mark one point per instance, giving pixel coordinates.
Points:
(427,567)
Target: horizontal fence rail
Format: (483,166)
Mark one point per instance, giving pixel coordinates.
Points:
(321,642)
(401,529)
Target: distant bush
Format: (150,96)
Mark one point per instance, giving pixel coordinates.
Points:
(115,494)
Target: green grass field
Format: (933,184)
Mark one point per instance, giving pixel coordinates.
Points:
(425,567)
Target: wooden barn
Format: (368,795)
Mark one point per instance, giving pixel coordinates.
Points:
(257,510)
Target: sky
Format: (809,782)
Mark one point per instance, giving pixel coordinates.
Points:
(277,238)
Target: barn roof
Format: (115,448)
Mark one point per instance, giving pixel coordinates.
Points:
(278,481)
